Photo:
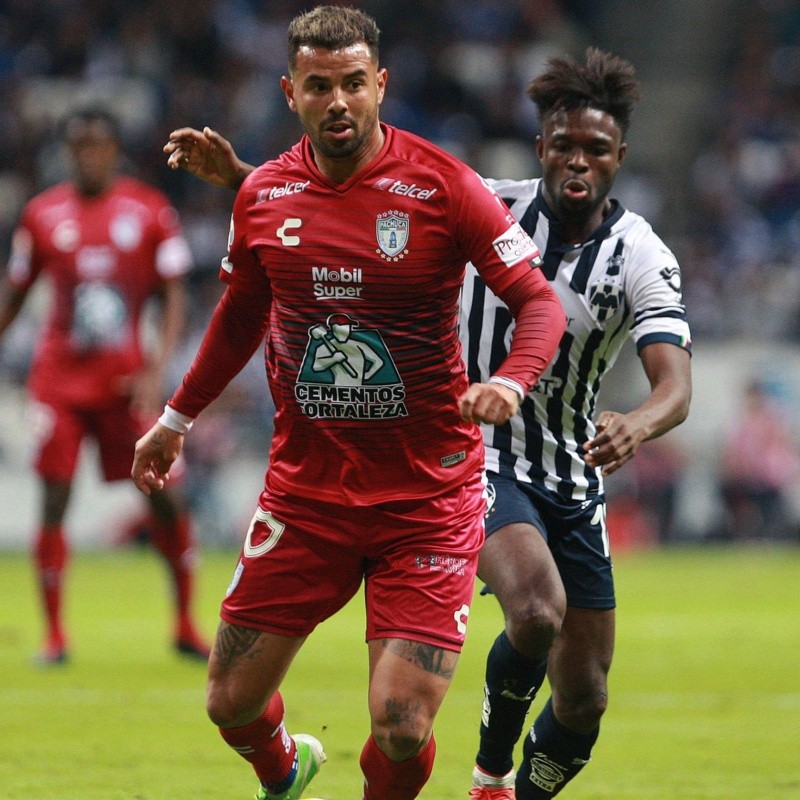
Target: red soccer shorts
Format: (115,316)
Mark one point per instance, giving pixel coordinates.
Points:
(303,560)
(59,430)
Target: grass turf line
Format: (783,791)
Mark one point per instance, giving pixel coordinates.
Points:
(705,702)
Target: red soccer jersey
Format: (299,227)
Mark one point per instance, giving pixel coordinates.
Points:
(105,256)
(361,281)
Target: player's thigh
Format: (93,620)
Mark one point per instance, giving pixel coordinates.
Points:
(301,562)
(515,561)
(56,435)
(580,658)
(420,576)
(516,564)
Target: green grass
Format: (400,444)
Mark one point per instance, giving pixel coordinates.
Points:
(705,688)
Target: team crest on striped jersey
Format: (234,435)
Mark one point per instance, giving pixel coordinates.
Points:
(392,230)
(605,299)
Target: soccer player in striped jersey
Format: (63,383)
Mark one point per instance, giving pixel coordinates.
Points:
(546,556)
(348,252)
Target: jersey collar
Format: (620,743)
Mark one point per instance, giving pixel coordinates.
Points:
(602,231)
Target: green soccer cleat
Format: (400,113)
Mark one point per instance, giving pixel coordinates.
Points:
(310,757)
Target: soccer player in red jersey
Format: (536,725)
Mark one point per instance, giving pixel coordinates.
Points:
(348,252)
(107,243)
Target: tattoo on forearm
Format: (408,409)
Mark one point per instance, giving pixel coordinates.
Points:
(234,642)
(435,660)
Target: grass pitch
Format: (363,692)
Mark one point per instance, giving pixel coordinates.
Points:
(705,688)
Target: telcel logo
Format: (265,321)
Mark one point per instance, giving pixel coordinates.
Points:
(405,189)
(279,191)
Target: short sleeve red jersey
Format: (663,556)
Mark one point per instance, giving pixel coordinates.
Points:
(362,280)
(104,256)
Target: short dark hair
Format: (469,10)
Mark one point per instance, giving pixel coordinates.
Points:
(333,28)
(89,115)
(605,82)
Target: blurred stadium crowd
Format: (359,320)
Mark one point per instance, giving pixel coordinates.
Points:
(458,71)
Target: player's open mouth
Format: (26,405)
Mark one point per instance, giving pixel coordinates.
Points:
(577,190)
(338,130)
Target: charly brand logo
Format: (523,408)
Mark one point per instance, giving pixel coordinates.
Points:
(289,239)
(672,275)
(392,230)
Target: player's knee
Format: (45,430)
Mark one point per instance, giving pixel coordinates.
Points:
(228,708)
(534,624)
(401,738)
(400,745)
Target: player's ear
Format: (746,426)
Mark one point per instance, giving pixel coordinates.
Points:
(288,90)
(622,152)
(383,77)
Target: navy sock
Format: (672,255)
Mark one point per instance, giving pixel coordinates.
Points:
(552,755)
(512,681)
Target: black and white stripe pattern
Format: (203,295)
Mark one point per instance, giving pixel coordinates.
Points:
(622,282)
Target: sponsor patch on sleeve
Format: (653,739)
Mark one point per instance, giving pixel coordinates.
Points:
(515,245)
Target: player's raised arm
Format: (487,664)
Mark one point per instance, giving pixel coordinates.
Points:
(208,155)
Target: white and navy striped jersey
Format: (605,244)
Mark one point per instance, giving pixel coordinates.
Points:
(622,281)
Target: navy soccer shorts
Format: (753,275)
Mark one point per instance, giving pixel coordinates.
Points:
(575,532)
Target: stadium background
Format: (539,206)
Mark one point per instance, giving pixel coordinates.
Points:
(714,165)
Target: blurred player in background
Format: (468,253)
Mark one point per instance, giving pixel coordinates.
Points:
(348,251)
(547,556)
(107,243)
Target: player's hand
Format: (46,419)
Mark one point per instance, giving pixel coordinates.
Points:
(207,155)
(155,453)
(615,442)
(491,403)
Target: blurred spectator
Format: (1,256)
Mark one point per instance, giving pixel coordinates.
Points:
(760,464)
(657,472)
(746,179)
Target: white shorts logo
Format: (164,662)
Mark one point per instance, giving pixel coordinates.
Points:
(461,616)
(276,529)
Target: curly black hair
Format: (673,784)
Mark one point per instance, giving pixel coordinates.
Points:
(605,82)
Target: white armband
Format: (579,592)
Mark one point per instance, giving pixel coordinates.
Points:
(175,421)
(509,384)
